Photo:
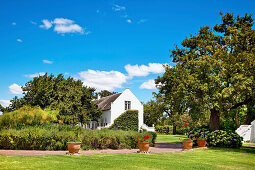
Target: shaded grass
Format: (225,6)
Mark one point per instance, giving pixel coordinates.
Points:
(219,158)
(170,138)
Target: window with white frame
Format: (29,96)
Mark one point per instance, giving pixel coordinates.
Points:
(127,105)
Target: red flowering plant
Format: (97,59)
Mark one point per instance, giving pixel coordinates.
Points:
(145,138)
(185,139)
(74,139)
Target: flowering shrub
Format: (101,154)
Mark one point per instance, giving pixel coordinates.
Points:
(217,138)
(74,139)
(146,138)
(220,138)
(199,134)
(185,139)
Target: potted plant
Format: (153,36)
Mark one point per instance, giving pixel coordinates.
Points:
(144,143)
(187,143)
(201,140)
(73,144)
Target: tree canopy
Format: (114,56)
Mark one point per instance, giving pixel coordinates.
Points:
(69,96)
(214,71)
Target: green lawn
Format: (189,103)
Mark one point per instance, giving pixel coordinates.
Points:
(213,158)
(249,144)
(198,159)
(169,138)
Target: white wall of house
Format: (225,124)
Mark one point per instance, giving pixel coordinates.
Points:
(106,118)
(118,106)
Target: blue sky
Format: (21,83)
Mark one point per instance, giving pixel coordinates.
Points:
(107,44)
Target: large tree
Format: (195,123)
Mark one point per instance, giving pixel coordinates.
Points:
(69,96)
(214,70)
(104,93)
(153,112)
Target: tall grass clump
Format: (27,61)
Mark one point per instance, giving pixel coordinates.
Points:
(27,115)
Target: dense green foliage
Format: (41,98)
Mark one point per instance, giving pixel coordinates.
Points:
(69,96)
(27,115)
(212,158)
(214,71)
(113,139)
(166,129)
(104,93)
(55,137)
(126,121)
(217,138)
(35,138)
(152,112)
(220,138)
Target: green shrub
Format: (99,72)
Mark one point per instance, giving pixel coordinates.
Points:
(198,133)
(113,139)
(34,138)
(217,138)
(126,121)
(54,137)
(220,138)
(166,129)
(27,115)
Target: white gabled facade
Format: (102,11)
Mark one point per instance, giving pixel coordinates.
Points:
(118,107)
(115,105)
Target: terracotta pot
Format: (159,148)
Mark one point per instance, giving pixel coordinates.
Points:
(144,146)
(73,147)
(187,144)
(201,143)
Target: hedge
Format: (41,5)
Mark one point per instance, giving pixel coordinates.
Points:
(34,138)
(55,137)
(126,121)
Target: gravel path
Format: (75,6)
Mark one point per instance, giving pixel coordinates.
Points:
(160,147)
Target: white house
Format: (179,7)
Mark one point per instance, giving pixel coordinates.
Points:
(113,106)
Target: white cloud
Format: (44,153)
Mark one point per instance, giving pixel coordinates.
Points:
(116,7)
(143,70)
(46,24)
(70,28)
(19,40)
(129,20)
(62,26)
(14,23)
(47,62)
(103,80)
(35,75)
(150,84)
(5,103)
(15,89)
(63,21)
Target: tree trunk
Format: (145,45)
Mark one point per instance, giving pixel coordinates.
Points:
(174,129)
(236,117)
(249,114)
(214,120)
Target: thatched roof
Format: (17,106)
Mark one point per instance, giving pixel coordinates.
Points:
(105,102)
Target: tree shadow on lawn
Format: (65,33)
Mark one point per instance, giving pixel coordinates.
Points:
(243,149)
